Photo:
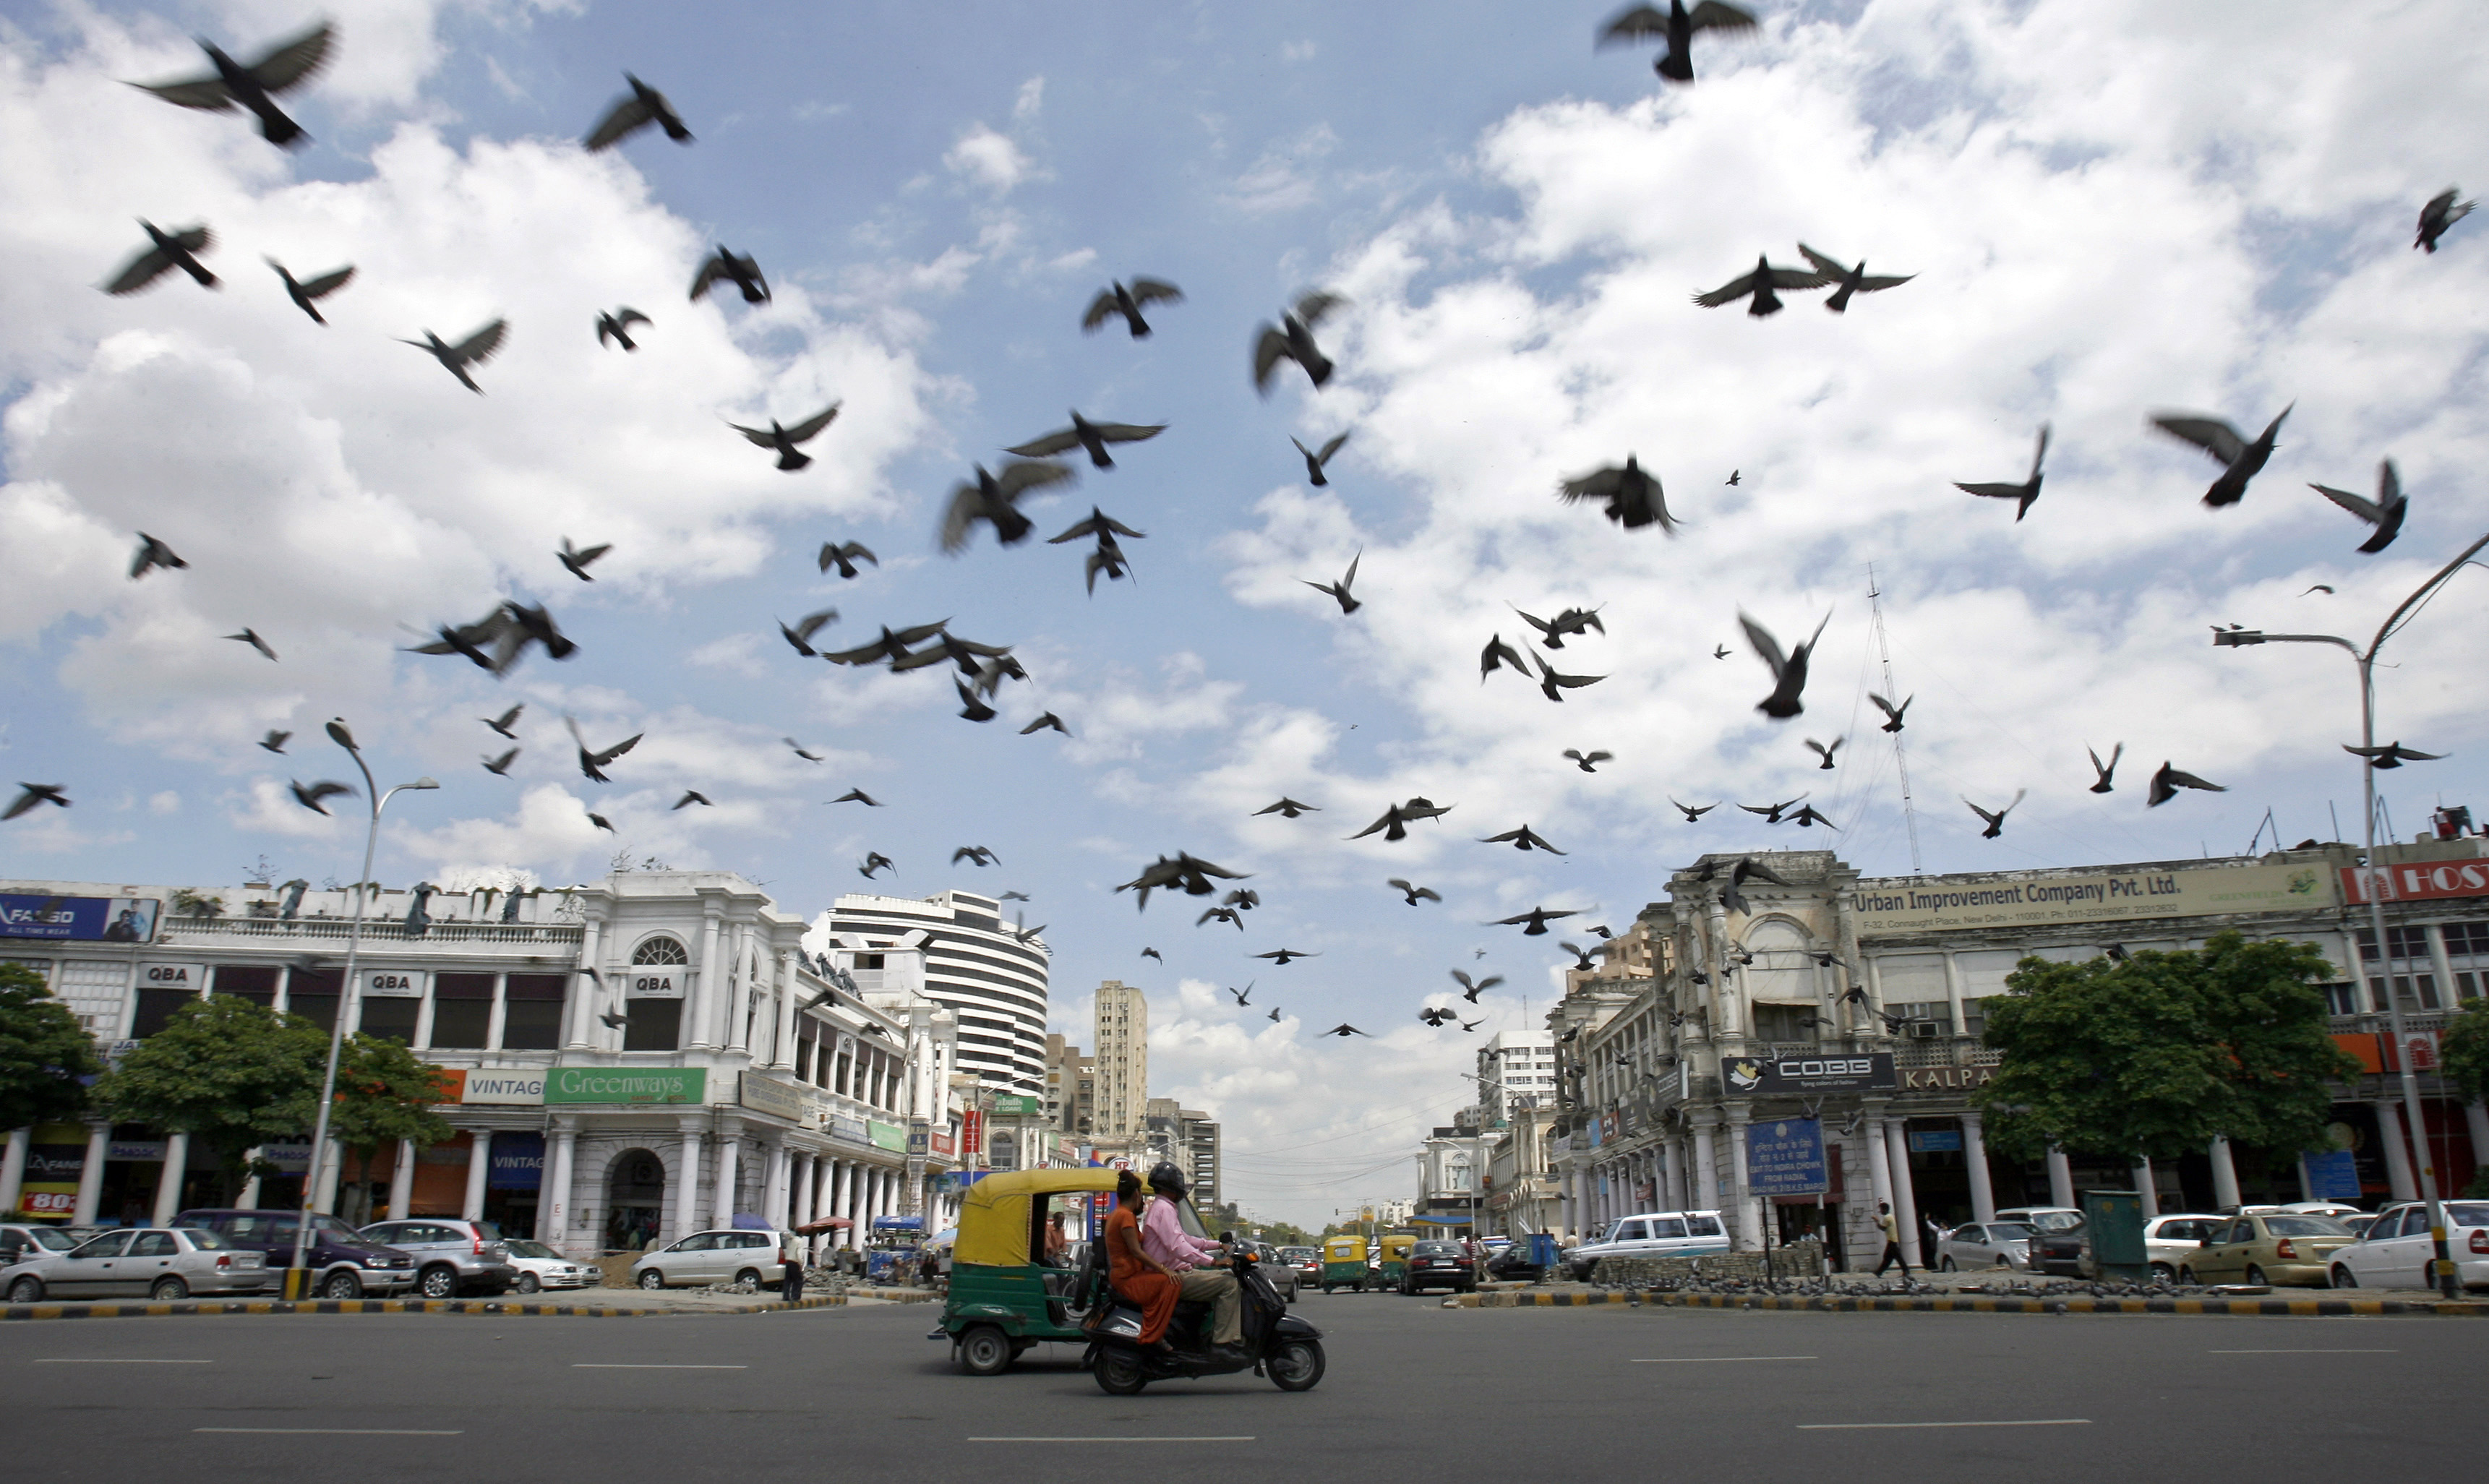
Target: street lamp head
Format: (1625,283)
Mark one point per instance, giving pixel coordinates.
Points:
(423,782)
(2235,639)
(338,734)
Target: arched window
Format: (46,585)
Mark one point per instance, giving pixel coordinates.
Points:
(660,950)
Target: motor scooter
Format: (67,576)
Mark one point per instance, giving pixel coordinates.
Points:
(1277,1343)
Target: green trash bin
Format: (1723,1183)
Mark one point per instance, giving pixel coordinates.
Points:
(2113,1231)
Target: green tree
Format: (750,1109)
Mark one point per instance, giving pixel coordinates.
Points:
(229,1073)
(2157,1056)
(2463,1051)
(45,1057)
(385,1093)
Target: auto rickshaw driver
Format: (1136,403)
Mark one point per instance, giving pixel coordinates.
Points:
(1163,1238)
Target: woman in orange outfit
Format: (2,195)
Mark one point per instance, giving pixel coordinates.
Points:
(1135,1273)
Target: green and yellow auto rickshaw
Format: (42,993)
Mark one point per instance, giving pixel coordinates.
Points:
(1343,1263)
(1394,1270)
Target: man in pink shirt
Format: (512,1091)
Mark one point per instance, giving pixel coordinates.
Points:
(1163,1238)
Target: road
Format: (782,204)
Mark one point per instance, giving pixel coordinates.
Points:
(1499,1393)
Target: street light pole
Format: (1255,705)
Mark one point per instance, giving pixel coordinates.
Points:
(297,1276)
(2443,1270)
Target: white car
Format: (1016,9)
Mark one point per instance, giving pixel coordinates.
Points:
(162,1263)
(1985,1244)
(2396,1250)
(541,1268)
(712,1257)
(1652,1233)
(2168,1243)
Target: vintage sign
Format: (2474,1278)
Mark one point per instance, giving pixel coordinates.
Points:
(515,1163)
(626,1084)
(2430,881)
(1920,905)
(1785,1156)
(79,919)
(496,1088)
(1758,1077)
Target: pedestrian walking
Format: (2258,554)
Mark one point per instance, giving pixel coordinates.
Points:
(1892,1231)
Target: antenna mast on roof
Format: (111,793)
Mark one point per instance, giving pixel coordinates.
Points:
(1901,751)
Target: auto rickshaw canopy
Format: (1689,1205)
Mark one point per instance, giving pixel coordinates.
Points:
(995,1217)
(1396,1247)
(1343,1250)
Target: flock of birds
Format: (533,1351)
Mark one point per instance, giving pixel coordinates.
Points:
(1628,493)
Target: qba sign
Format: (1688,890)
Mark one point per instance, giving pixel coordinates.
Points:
(1757,1076)
(656,984)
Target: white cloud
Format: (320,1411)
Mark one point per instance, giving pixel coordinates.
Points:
(165,802)
(1030,101)
(1283,178)
(989,158)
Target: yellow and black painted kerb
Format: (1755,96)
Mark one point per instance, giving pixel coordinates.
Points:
(481,1308)
(2290,1308)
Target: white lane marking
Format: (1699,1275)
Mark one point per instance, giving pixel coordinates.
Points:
(2302,1352)
(1846,1427)
(347,1432)
(620,1365)
(1702,1360)
(111,1360)
(1236,1438)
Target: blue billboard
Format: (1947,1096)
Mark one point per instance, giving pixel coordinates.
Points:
(1785,1156)
(79,919)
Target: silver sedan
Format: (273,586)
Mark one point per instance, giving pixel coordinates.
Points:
(160,1262)
(1985,1244)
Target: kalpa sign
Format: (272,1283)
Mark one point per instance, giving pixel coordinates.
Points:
(2434,881)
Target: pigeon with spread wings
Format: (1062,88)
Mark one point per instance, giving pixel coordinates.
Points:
(1521,838)
(2025,493)
(153,554)
(1789,670)
(1892,714)
(2240,459)
(1470,989)
(614,328)
(2106,782)
(306,294)
(2384,513)
(254,85)
(785,439)
(645,105)
(845,556)
(1293,339)
(992,498)
(1675,26)
(165,251)
(1758,287)
(2441,211)
(1288,808)
(744,272)
(592,761)
(1396,819)
(1854,279)
(1995,818)
(1633,495)
(1091,437)
(1339,590)
(34,795)
(1413,893)
(1554,685)
(2166,782)
(1316,460)
(1126,300)
(474,351)
(1536,921)
(1587,763)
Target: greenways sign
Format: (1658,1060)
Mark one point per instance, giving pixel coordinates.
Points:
(626,1084)
(1897,906)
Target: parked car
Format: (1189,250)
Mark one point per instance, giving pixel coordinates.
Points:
(1303,1262)
(1985,1244)
(1275,1267)
(1513,1262)
(2278,1247)
(2056,1237)
(2170,1243)
(1652,1233)
(541,1268)
(19,1241)
(453,1258)
(2337,1209)
(343,1263)
(2396,1249)
(1440,1265)
(2359,1223)
(711,1257)
(158,1263)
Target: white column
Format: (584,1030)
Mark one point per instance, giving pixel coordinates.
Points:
(2146,1188)
(1750,1220)
(1880,1169)
(730,1149)
(844,1205)
(579,1011)
(2475,1113)
(2061,1179)
(1974,1156)
(402,1180)
(2226,1176)
(168,1183)
(1672,1167)
(1906,1207)
(682,1217)
(479,1161)
(2398,1164)
(553,1190)
(89,1191)
(776,1160)
(248,1200)
(12,1170)
(1707,1168)
(714,982)
(781,1050)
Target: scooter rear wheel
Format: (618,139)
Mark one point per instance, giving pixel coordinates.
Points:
(1119,1374)
(1294,1365)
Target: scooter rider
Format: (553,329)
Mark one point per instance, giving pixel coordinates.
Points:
(1163,1238)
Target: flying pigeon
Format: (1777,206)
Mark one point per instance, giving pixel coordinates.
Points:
(274,742)
(1314,461)
(2026,491)
(1342,1030)
(286,66)
(693,796)
(874,862)
(1397,818)
(1045,720)
(251,638)
(1521,838)
(1633,495)
(2441,211)
(1470,989)
(167,251)
(1675,26)
(2166,782)
(1587,763)
(2240,460)
(785,439)
(1758,287)
(310,797)
(1553,685)
(800,633)
(1692,814)
(1293,339)
(742,272)
(1414,893)
(845,557)
(616,327)
(2393,755)
(153,554)
(1284,956)
(1852,280)
(307,294)
(1339,590)
(857,796)
(2107,771)
(1498,654)
(799,750)
(980,854)
(644,106)
(1789,670)
(991,499)
(1996,817)
(1892,714)
(576,559)
(1536,919)
(1288,809)
(1118,298)
(591,762)
(1091,437)
(474,349)
(502,722)
(1825,751)
(2385,512)
(34,794)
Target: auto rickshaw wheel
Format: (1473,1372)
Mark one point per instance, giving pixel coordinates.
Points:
(985,1350)
(1119,1374)
(1295,1365)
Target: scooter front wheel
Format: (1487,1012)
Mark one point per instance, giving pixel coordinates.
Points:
(1119,1373)
(1294,1365)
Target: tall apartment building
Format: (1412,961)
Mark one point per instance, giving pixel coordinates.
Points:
(1516,1070)
(1071,1087)
(973,963)
(1189,1141)
(1121,1062)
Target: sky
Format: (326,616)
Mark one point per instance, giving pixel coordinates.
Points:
(2109,207)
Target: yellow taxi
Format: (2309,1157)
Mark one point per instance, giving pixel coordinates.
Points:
(2277,1247)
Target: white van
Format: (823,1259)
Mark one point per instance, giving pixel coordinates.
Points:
(1651,1234)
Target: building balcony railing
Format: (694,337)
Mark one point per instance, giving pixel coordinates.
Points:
(328,933)
(1945,1051)
(2377,1021)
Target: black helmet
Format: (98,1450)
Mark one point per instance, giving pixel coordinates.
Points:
(1166,1180)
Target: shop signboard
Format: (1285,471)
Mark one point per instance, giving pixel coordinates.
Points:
(1936,1141)
(1785,1156)
(649,982)
(972,1132)
(291,1156)
(851,1129)
(2426,881)
(1757,1076)
(768,1095)
(515,1163)
(148,1149)
(889,1136)
(920,1139)
(1017,1105)
(494,1086)
(626,1084)
(1915,905)
(2332,1175)
(79,919)
(190,978)
(394,984)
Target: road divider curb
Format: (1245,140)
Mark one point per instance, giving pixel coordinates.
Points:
(482,1308)
(2287,1308)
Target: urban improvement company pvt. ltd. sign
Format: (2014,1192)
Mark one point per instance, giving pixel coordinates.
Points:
(1941,904)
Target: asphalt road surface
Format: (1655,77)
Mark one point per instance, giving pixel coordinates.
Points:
(1412,1388)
